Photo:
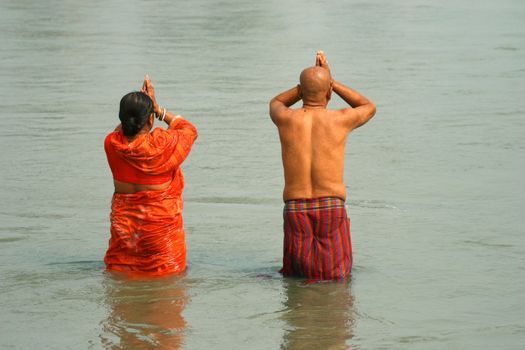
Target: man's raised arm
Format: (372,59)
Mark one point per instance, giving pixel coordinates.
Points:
(279,104)
(362,108)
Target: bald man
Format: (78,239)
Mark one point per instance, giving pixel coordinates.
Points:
(317,243)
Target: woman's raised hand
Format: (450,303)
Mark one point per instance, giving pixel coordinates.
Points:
(149,90)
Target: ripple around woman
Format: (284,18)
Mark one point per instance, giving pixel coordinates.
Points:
(147,232)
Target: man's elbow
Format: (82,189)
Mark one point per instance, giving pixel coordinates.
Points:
(373,109)
(274,104)
(367,114)
(273,107)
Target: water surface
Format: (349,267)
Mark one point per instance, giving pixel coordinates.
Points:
(436,181)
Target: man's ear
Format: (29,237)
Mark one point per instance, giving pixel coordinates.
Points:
(329,92)
(299,91)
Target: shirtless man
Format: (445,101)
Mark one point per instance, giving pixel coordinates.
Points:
(317,243)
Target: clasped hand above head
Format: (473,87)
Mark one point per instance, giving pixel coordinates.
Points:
(148,89)
(320,61)
(162,113)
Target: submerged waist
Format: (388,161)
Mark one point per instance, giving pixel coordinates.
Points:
(130,188)
(301,190)
(303,204)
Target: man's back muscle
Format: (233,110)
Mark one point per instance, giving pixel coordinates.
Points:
(313,137)
(313,145)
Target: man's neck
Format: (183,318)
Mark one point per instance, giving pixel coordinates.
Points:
(314,106)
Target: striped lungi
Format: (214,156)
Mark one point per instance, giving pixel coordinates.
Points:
(317,243)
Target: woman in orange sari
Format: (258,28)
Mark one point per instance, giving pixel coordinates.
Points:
(147,232)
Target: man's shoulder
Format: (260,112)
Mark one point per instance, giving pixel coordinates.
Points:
(282,115)
(328,115)
(339,116)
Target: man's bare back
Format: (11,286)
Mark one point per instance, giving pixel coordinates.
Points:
(313,137)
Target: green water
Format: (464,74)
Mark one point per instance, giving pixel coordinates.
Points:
(436,181)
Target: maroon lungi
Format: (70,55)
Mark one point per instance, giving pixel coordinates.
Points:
(317,243)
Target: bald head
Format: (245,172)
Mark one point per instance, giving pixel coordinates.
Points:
(315,83)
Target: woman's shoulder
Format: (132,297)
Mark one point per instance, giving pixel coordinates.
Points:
(112,134)
(160,133)
(113,138)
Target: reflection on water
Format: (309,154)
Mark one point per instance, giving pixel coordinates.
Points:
(318,316)
(436,181)
(144,314)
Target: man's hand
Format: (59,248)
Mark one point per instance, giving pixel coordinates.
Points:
(149,90)
(320,61)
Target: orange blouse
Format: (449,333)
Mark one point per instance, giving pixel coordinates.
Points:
(151,158)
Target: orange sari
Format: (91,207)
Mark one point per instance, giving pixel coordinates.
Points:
(147,231)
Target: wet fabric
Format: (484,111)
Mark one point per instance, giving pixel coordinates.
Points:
(147,231)
(317,242)
(152,157)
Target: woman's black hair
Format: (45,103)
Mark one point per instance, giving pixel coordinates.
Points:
(135,108)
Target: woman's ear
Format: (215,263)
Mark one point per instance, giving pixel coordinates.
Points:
(151,121)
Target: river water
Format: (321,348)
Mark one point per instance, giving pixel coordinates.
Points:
(436,181)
